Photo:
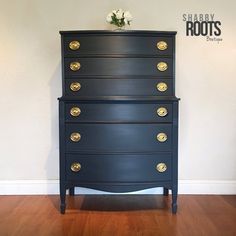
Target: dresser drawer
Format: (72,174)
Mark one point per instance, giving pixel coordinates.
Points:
(118,112)
(119,87)
(118,66)
(118,137)
(118,168)
(78,45)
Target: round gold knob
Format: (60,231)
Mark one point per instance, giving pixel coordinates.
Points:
(75,66)
(75,167)
(74,45)
(75,86)
(161,137)
(75,111)
(162,111)
(162,45)
(161,167)
(162,66)
(162,87)
(75,137)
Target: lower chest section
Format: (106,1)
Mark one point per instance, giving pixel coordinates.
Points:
(118,141)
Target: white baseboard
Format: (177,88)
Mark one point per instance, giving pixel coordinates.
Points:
(224,187)
(41,187)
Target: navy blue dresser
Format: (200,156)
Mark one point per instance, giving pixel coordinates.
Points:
(118,112)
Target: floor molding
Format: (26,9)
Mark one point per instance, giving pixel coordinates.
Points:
(38,187)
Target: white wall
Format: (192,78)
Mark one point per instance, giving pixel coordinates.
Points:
(30,82)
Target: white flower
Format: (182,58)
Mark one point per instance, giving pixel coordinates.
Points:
(120,17)
(128,16)
(119,14)
(109,19)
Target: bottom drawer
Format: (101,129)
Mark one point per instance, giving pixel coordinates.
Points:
(118,168)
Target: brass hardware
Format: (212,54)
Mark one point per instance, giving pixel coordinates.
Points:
(75,137)
(162,45)
(75,86)
(161,137)
(75,167)
(161,167)
(162,111)
(75,66)
(75,111)
(74,45)
(162,66)
(162,87)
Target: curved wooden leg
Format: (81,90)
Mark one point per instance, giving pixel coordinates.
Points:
(165,191)
(63,199)
(72,191)
(174,200)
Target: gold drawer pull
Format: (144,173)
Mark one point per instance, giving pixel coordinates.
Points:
(162,66)
(162,111)
(162,87)
(76,86)
(161,167)
(74,45)
(75,65)
(162,45)
(161,137)
(75,167)
(75,137)
(75,111)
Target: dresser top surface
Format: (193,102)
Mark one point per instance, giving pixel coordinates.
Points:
(121,32)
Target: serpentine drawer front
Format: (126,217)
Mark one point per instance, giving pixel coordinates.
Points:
(118,113)
(118,137)
(120,87)
(118,66)
(108,44)
(118,168)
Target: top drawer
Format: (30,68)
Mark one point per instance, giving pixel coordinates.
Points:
(82,45)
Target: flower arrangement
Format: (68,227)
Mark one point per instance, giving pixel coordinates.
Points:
(119,18)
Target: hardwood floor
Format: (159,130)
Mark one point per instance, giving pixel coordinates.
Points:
(118,215)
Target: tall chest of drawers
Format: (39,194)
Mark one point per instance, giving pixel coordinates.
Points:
(118,115)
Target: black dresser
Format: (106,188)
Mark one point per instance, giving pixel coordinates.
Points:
(118,112)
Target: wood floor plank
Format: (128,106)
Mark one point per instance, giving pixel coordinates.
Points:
(118,215)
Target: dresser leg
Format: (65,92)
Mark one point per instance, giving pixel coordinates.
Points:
(165,191)
(63,208)
(174,200)
(72,191)
(63,201)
